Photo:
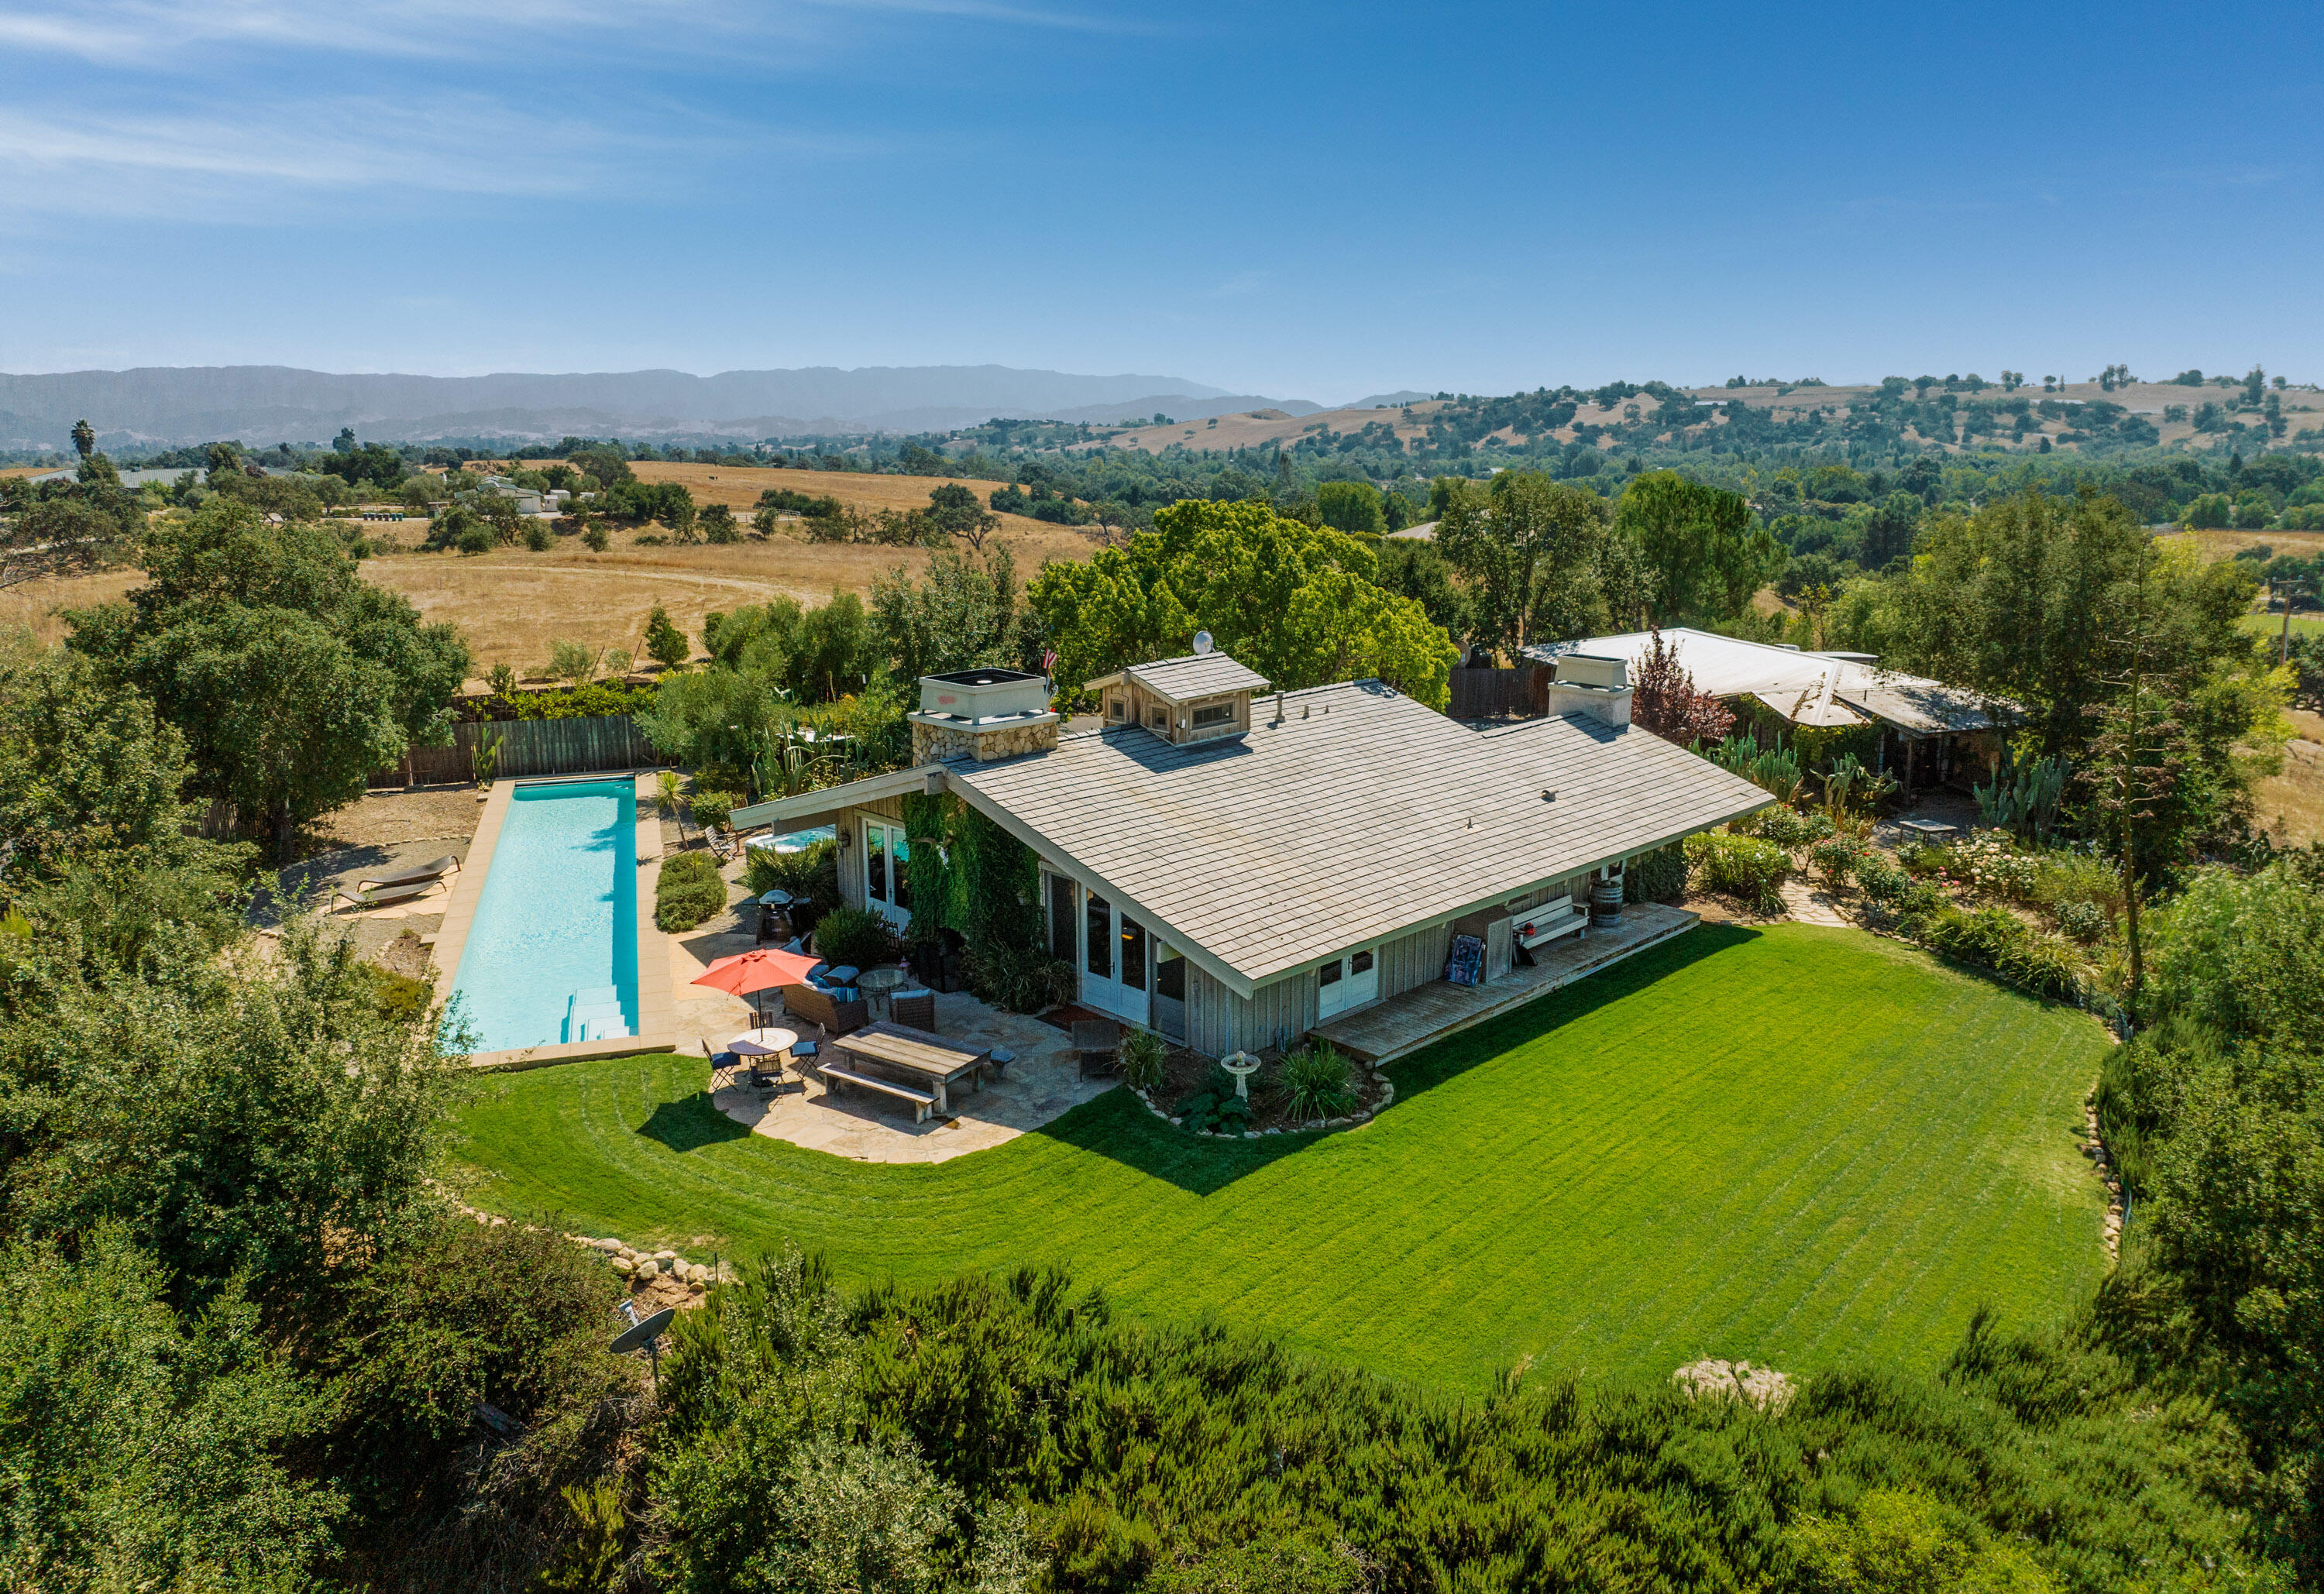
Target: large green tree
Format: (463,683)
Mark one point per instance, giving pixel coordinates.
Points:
(290,678)
(1707,552)
(2039,598)
(958,615)
(102,853)
(1297,603)
(65,529)
(1526,551)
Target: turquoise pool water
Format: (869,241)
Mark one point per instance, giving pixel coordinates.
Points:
(552,955)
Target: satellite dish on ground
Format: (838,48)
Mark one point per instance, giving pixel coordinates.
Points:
(1201,642)
(645,1333)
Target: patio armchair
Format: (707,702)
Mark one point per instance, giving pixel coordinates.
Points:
(914,1009)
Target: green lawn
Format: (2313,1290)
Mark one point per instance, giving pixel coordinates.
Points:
(2272,625)
(1795,1144)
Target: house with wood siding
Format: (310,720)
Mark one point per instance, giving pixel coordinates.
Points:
(1233,866)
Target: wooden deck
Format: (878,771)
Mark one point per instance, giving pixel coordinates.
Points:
(1403,1024)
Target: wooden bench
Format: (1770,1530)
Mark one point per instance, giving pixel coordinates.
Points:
(1549,921)
(920,1100)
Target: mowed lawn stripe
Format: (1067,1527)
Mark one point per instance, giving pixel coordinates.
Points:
(1797,1144)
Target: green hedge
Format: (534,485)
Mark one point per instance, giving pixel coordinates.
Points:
(1741,866)
(854,938)
(688,890)
(597,700)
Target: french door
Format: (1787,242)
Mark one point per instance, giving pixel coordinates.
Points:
(887,872)
(1347,982)
(1115,950)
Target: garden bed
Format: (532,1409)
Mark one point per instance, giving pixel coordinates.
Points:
(1187,1078)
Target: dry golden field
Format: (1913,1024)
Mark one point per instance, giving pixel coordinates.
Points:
(512,605)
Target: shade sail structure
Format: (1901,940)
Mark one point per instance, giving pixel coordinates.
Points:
(761,970)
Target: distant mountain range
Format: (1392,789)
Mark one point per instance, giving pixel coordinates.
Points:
(164,406)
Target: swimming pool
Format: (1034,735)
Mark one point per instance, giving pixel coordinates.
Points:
(552,955)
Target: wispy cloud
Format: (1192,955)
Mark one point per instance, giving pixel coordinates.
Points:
(166,34)
(191,161)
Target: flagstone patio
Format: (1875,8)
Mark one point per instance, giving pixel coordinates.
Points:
(1042,1083)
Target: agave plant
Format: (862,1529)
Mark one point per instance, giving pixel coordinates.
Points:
(2023,799)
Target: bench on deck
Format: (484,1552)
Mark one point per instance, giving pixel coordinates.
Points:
(1550,920)
(920,1100)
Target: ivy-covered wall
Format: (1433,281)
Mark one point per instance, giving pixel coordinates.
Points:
(970,876)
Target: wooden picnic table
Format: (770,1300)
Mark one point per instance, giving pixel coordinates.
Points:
(928,1061)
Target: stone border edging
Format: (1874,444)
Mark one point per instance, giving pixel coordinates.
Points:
(642,1267)
(1354,1120)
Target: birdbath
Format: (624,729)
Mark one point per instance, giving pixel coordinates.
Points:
(1243,1065)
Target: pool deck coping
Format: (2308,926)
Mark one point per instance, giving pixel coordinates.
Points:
(656,1006)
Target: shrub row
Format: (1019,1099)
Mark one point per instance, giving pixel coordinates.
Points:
(1743,867)
(1991,937)
(688,890)
(598,700)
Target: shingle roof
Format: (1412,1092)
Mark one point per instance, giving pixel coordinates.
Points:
(1802,686)
(1197,675)
(1359,815)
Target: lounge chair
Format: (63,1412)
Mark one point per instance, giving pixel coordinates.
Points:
(722,845)
(422,875)
(821,1009)
(360,899)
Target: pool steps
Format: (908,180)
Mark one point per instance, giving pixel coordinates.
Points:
(595,1014)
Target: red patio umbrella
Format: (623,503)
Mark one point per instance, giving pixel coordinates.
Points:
(760,970)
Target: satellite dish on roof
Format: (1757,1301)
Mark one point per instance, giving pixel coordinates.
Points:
(1201,642)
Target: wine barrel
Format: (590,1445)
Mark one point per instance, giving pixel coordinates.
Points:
(1605,902)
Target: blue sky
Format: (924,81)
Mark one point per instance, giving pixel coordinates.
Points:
(1313,201)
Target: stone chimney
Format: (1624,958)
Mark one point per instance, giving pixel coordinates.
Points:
(982,714)
(1591,687)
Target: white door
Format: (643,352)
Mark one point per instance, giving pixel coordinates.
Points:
(1346,982)
(887,884)
(1115,950)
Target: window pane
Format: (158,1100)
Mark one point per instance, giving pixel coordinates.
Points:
(1218,714)
(1100,936)
(1362,963)
(875,862)
(1133,954)
(1061,918)
(1329,974)
(901,849)
(1170,976)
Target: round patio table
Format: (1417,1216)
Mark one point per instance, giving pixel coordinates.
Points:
(880,985)
(763,1042)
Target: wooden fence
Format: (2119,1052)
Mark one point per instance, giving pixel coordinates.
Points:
(530,747)
(1495,694)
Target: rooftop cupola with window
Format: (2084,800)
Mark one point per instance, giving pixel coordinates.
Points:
(1204,697)
(982,714)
